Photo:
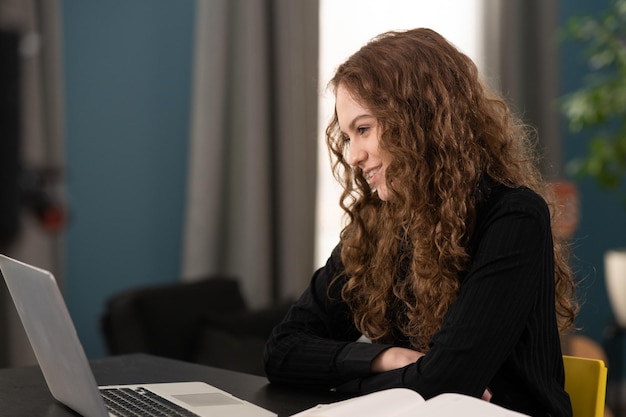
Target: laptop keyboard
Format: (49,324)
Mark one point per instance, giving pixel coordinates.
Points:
(140,402)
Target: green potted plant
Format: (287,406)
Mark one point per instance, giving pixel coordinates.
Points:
(600,104)
(599,107)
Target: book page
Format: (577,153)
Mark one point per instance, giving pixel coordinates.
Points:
(403,402)
(463,405)
(389,403)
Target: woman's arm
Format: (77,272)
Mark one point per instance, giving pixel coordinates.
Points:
(394,358)
(315,344)
(398,357)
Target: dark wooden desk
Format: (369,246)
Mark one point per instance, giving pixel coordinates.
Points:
(23,390)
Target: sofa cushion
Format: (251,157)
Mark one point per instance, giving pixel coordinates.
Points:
(237,341)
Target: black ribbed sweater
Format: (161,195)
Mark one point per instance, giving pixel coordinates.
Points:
(500,333)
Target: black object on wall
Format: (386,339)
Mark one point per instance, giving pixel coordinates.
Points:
(9,138)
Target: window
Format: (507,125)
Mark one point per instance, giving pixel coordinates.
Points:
(346,25)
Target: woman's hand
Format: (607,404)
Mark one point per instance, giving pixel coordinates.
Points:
(487,395)
(395,358)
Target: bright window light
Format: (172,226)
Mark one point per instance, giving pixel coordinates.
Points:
(345,25)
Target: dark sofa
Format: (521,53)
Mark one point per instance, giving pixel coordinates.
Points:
(206,322)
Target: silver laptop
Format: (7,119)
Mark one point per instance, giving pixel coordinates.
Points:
(64,364)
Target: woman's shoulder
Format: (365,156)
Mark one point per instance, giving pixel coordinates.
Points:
(518,199)
(505,207)
(503,194)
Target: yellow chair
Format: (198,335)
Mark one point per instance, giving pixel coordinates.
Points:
(585,382)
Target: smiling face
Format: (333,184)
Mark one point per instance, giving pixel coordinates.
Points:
(360,127)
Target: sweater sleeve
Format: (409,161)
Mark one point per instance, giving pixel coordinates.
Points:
(317,344)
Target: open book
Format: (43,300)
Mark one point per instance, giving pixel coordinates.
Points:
(403,402)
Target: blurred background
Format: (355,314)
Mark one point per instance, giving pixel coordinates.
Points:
(145,142)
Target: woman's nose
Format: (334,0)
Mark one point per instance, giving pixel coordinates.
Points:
(356,155)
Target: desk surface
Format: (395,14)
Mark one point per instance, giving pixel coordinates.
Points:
(23,391)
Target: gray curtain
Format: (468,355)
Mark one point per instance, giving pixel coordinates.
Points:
(523,60)
(252,164)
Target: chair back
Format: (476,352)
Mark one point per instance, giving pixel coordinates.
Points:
(167,319)
(585,382)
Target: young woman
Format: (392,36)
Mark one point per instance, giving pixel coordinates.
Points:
(447,263)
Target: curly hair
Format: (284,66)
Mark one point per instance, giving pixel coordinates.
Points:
(446,133)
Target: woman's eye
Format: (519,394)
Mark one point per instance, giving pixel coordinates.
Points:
(362,130)
(346,139)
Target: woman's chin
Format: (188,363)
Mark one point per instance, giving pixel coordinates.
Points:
(383,193)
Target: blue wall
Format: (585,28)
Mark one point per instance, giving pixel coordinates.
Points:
(127,69)
(603,223)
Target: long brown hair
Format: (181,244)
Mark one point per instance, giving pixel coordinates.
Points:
(445,133)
